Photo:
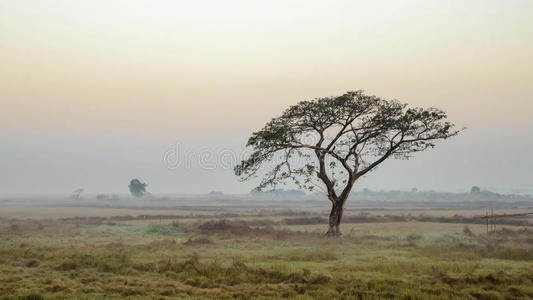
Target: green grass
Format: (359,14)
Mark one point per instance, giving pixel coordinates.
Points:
(171,261)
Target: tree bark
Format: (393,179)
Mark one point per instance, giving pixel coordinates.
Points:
(335,219)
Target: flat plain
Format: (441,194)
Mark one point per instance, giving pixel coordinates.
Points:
(106,253)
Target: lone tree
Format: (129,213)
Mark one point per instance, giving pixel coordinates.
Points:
(475,190)
(137,188)
(329,143)
(77,193)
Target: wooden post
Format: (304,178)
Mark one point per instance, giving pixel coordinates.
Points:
(487,217)
(492,225)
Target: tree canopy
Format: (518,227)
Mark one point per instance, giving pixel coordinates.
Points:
(328,143)
(137,188)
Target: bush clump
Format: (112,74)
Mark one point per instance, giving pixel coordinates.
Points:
(316,255)
(242,229)
(172,229)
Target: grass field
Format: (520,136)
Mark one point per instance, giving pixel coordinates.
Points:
(205,258)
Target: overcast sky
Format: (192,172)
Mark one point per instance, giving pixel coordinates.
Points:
(94,93)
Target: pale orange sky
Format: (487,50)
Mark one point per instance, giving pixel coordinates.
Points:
(173,69)
(102,65)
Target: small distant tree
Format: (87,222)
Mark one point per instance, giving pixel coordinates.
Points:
(329,143)
(137,188)
(475,190)
(101,197)
(76,194)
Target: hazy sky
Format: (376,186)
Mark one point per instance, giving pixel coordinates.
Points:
(94,93)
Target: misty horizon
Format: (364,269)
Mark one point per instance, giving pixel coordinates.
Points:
(37,167)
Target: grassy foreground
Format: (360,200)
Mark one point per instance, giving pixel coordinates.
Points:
(45,259)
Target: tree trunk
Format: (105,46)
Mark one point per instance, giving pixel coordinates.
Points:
(335,220)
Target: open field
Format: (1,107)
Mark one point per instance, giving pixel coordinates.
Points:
(51,212)
(200,255)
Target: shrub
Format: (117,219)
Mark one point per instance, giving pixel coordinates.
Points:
(467,231)
(311,255)
(172,229)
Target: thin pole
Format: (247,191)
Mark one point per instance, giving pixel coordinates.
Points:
(492,219)
(487,217)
